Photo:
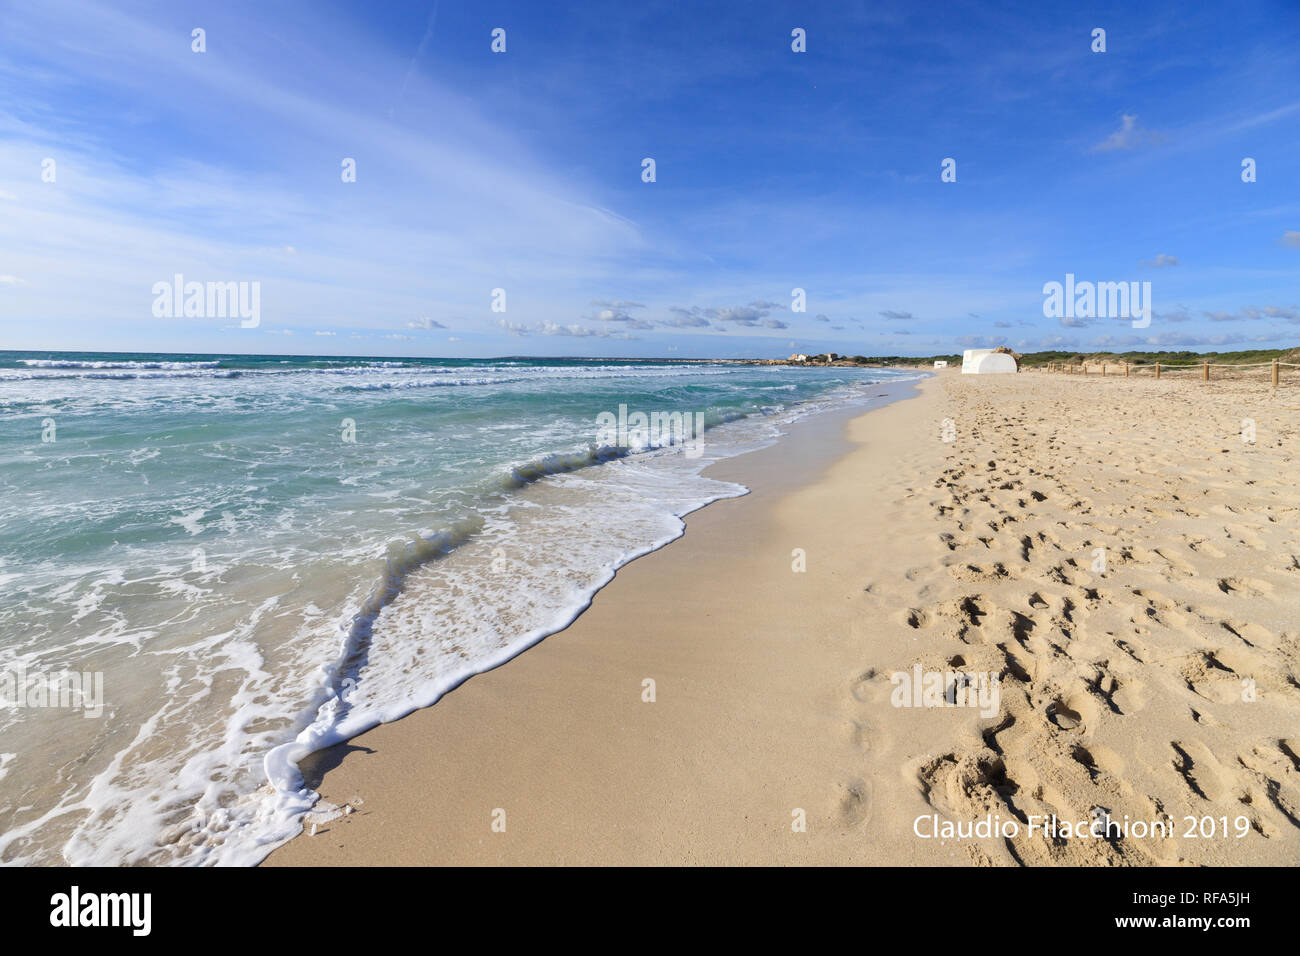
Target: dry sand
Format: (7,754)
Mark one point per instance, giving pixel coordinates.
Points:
(1162,687)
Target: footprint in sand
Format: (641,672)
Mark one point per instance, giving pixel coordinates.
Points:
(1271,776)
(1069,715)
(916,618)
(1203,546)
(862,686)
(859,735)
(1249,634)
(1104,767)
(851,802)
(1244,587)
(1198,769)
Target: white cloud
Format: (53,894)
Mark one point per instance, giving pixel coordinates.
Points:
(582,332)
(1289,313)
(747,316)
(617,304)
(1161,261)
(497,204)
(686,319)
(1129,136)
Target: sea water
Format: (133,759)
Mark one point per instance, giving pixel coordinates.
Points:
(261,556)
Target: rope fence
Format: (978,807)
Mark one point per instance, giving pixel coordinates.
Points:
(1160,368)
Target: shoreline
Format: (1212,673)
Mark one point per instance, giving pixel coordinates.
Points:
(774,703)
(797,460)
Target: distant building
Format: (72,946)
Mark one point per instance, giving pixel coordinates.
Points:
(798,357)
(940,363)
(986,361)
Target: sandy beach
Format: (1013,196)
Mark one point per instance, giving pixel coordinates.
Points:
(1112,555)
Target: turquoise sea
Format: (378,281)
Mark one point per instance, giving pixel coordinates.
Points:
(265,555)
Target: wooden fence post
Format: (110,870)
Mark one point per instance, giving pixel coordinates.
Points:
(1275,373)
(1205,371)
(1157,369)
(1126,369)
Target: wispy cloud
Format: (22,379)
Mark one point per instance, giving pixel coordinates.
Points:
(579,331)
(548,328)
(748,316)
(1130,135)
(1161,261)
(522,173)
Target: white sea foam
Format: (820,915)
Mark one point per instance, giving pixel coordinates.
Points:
(311,610)
(70,363)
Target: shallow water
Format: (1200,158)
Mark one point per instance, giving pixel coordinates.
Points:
(265,555)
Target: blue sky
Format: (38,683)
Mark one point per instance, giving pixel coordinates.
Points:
(522,171)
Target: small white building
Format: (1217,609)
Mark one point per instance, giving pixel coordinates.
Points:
(797,357)
(940,363)
(986,362)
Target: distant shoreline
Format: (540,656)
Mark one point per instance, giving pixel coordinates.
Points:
(1026,360)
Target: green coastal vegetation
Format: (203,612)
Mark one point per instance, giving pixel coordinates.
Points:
(1033,359)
